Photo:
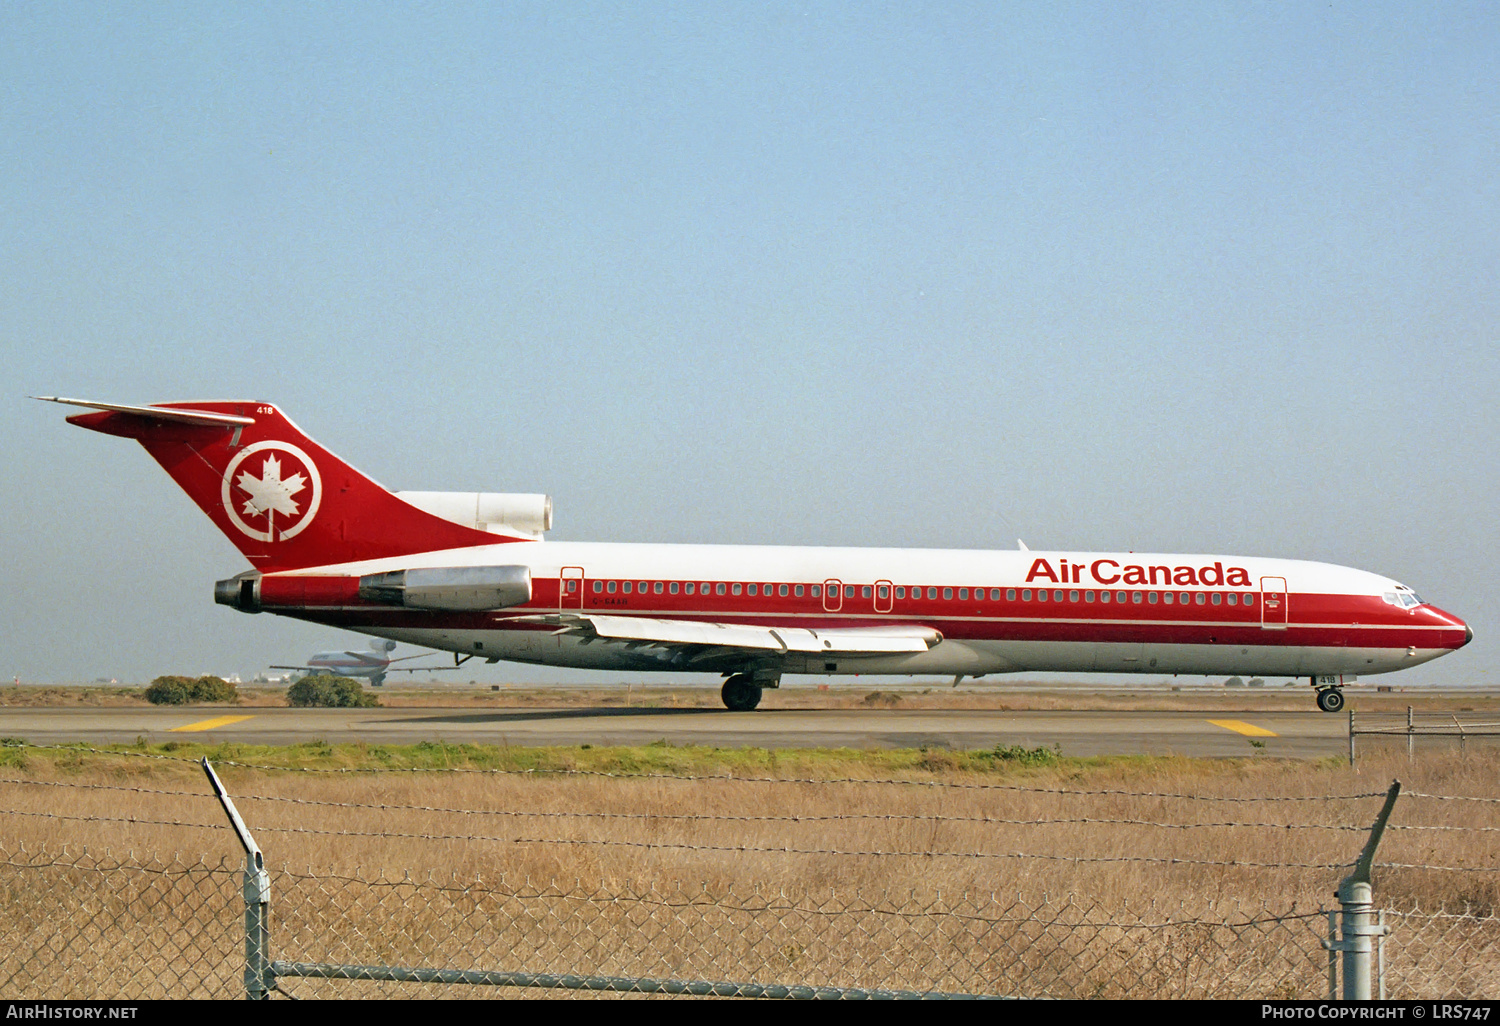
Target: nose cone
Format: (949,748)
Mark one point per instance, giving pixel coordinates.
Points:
(1450,638)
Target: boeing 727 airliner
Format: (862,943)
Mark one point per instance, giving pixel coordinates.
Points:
(470,573)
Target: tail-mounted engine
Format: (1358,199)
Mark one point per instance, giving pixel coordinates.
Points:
(241,592)
(460,588)
(527,516)
(450,587)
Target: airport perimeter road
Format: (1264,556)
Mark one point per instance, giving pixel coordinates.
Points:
(1201,733)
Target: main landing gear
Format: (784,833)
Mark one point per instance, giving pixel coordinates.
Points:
(741,693)
(1330,699)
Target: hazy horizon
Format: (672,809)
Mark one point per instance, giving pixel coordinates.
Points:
(1190,279)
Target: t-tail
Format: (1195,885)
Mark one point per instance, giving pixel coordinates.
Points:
(281,498)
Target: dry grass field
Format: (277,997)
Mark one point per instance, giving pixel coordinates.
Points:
(985,838)
(1183,828)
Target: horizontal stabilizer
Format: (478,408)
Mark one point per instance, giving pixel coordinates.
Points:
(206,418)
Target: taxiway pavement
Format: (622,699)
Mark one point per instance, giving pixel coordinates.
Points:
(1299,734)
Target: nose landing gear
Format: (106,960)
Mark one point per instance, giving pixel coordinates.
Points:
(1330,699)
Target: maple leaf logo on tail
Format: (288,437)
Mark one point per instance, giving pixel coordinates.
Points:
(265,499)
(269,492)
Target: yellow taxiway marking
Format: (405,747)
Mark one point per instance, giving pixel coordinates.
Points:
(213,724)
(1241,727)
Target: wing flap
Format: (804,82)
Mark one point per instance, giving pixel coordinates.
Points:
(640,630)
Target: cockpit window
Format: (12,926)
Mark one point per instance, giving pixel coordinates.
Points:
(1406,599)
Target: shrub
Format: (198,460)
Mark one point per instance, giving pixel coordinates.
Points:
(168,691)
(324,691)
(1024,756)
(173,690)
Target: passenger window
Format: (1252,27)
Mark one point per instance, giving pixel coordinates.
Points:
(1135,597)
(1249,600)
(1010,594)
(865,591)
(799,591)
(781,591)
(750,589)
(1168,597)
(1217,599)
(625,587)
(817,591)
(1153,598)
(645,587)
(932,593)
(901,592)
(1026,595)
(1199,598)
(687,589)
(719,589)
(1234,598)
(1072,596)
(735,589)
(610,587)
(995,595)
(963,594)
(598,587)
(1057,596)
(1088,596)
(1184,597)
(885,592)
(1041,595)
(947,593)
(673,588)
(848,591)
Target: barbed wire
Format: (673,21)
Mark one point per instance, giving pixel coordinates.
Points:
(741,849)
(756,849)
(1449,797)
(714,817)
(719,778)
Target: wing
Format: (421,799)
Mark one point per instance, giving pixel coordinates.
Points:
(703,642)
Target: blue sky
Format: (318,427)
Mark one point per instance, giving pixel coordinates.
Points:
(1185,278)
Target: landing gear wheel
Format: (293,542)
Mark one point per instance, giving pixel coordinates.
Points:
(1330,699)
(740,693)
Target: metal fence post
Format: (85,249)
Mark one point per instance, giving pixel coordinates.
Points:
(1357,927)
(259,980)
(1331,946)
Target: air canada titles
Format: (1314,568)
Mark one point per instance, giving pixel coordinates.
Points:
(1109,571)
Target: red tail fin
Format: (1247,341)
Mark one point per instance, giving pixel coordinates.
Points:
(282,499)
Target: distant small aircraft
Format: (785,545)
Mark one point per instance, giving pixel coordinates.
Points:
(373,664)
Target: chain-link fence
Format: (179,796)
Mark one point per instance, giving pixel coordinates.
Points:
(97,925)
(84,922)
(127,927)
(1426,731)
(81,924)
